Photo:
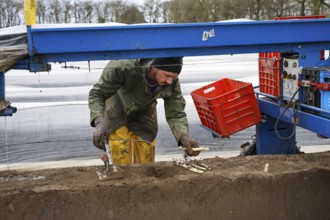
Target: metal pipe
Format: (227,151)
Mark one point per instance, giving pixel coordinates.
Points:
(315,108)
(265,94)
(7,112)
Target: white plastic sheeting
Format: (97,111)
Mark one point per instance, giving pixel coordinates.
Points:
(13,46)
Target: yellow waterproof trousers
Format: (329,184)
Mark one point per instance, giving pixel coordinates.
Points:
(126,148)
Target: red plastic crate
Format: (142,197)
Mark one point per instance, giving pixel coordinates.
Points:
(270,73)
(227,106)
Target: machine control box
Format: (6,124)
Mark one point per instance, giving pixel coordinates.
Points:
(290,77)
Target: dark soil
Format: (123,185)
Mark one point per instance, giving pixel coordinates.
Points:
(294,187)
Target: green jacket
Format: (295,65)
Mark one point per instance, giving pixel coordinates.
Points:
(123,98)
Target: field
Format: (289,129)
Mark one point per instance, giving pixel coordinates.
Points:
(251,187)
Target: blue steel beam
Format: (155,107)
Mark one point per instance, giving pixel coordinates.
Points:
(312,122)
(57,44)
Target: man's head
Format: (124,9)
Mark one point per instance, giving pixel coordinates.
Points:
(165,70)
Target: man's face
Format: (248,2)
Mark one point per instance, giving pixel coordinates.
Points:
(165,78)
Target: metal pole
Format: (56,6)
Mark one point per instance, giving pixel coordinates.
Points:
(5,108)
(2,86)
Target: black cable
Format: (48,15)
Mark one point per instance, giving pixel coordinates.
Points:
(294,116)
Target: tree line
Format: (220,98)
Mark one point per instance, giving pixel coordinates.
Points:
(158,11)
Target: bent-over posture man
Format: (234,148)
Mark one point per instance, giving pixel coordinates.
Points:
(123,108)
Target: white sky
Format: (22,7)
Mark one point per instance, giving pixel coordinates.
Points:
(139,2)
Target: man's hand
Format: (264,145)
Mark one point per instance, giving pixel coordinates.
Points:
(189,144)
(101,134)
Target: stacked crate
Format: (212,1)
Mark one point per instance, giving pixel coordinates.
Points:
(270,73)
(270,65)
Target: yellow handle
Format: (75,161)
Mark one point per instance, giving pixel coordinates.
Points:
(30,12)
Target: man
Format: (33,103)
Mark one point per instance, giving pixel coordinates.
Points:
(123,108)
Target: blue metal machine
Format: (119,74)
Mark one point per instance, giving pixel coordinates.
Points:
(303,38)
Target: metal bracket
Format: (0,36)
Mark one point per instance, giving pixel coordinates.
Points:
(6,109)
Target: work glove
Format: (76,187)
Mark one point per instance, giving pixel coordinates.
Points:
(189,144)
(101,133)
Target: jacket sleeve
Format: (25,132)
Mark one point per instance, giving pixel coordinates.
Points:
(110,81)
(175,114)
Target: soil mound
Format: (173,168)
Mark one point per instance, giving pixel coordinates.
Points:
(251,187)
